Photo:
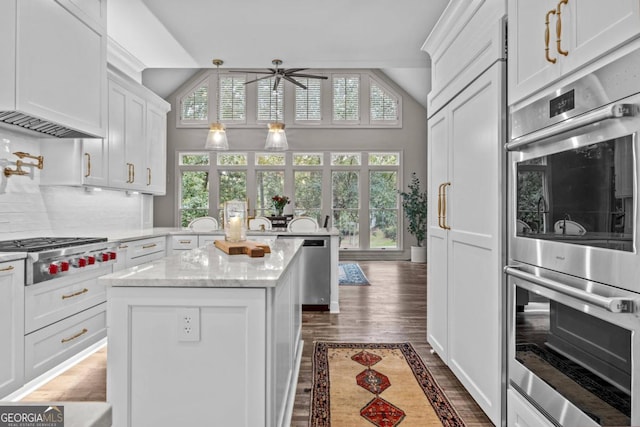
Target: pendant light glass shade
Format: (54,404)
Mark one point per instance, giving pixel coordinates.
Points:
(217,138)
(276,138)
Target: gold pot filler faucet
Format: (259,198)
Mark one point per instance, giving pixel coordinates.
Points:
(19,164)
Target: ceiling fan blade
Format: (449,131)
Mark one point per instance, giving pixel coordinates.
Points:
(295,82)
(293,70)
(309,76)
(276,82)
(258,79)
(250,71)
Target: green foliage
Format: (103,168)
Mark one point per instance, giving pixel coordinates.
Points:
(414,203)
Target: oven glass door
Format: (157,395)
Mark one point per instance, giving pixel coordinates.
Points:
(583,196)
(559,346)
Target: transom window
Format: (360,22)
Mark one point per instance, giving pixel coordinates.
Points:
(359,99)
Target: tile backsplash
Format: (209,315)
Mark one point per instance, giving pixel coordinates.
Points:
(28,209)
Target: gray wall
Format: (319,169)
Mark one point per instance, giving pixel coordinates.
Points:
(411,140)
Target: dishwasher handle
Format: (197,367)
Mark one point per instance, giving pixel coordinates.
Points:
(316,243)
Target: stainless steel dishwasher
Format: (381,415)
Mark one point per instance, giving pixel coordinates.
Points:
(315,271)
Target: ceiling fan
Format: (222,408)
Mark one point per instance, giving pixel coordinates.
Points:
(288,74)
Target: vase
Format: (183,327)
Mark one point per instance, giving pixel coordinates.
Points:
(279,212)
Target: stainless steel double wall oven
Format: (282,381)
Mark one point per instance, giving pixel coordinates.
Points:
(574,267)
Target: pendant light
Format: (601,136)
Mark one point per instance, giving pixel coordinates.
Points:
(276,137)
(217,136)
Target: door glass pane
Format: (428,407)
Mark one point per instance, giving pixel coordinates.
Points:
(194,196)
(346,204)
(383,209)
(268,184)
(232,186)
(308,194)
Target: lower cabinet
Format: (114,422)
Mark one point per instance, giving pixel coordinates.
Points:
(52,345)
(187,356)
(11,326)
(521,413)
(137,252)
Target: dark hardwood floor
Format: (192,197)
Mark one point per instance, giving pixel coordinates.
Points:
(392,309)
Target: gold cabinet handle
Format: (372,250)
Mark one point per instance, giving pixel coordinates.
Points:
(185,242)
(71,338)
(75,294)
(547,35)
(148,176)
(129,180)
(440,205)
(444,206)
(152,245)
(7,268)
(559,28)
(88,156)
(133,172)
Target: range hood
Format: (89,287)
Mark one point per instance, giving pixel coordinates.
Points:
(44,127)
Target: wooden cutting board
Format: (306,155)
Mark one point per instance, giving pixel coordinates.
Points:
(248,247)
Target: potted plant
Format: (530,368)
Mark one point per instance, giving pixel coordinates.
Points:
(414,204)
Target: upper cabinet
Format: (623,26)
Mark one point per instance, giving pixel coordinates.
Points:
(137,135)
(53,73)
(549,39)
(470,43)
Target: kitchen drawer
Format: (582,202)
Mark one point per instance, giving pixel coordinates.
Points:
(47,303)
(184,242)
(50,346)
(207,239)
(145,250)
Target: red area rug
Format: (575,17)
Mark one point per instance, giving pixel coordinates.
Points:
(371,384)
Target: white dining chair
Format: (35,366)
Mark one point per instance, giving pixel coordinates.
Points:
(302,224)
(255,223)
(203,224)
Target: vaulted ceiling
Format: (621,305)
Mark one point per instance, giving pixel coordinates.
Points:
(173,39)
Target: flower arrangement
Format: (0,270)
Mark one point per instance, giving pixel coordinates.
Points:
(279,202)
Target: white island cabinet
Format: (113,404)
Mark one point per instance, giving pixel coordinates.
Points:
(205,338)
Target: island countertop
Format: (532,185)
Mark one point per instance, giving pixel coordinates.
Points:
(208,267)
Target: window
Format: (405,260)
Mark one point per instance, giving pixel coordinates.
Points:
(194,107)
(383,105)
(232,99)
(357,190)
(309,101)
(270,102)
(346,99)
(357,98)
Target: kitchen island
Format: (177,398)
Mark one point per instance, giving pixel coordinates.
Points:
(205,338)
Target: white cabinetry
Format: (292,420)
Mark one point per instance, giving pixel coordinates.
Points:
(137,137)
(75,162)
(241,365)
(11,326)
(54,62)
(466,171)
(579,31)
(143,250)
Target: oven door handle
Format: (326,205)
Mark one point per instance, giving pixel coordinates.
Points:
(614,111)
(613,305)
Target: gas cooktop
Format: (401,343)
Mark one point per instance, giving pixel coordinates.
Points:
(37,244)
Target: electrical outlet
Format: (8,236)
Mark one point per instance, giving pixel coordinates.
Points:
(188,324)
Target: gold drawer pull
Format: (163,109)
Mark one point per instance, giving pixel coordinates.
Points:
(153,245)
(7,268)
(79,334)
(186,242)
(84,291)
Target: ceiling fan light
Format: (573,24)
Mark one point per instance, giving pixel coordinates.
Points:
(217,138)
(276,138)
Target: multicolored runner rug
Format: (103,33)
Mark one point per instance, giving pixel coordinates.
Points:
(350,273)
(384,385)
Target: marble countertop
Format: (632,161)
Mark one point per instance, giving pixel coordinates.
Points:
(210,267)
(127,236)
(12,256)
